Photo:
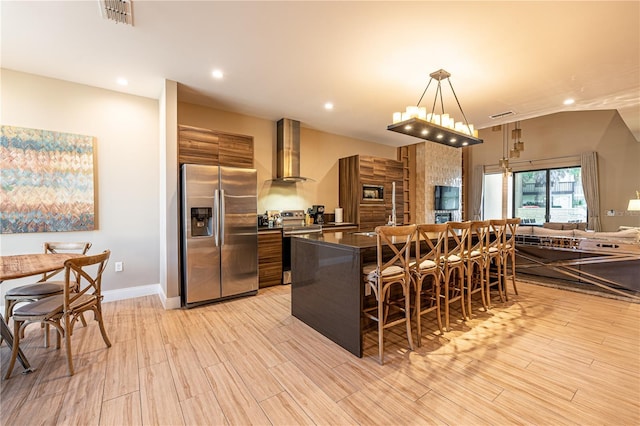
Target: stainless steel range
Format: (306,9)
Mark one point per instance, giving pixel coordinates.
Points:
(293,222)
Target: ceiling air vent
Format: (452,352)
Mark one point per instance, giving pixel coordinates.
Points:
(501,114)
(120,11)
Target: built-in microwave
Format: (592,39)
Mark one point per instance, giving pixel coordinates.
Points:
(372,192)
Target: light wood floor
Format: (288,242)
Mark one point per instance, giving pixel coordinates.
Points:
(547,357)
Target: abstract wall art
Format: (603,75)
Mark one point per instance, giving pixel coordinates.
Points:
(46,181)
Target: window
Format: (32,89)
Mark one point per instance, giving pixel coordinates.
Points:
(549,195)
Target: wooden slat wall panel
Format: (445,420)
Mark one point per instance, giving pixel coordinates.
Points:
(269,258)
(379,169)
(372,215)
(366,168)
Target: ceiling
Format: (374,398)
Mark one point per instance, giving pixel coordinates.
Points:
(286,59)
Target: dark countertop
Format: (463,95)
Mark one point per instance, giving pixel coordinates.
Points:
(349,239)
(338,225)
(328,225)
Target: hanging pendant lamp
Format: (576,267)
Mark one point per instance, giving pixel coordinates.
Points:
(440,128)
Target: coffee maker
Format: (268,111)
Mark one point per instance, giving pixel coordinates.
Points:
(317,213)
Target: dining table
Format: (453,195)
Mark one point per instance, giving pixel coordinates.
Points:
(26,265)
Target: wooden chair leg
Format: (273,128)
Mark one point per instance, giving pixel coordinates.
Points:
(502,270)
(513,272)
(461,287)
(46,335)
(446,301)
(14,348)
(407,312)
(484,283)
(381,330)
(418,290)
(7,310)
(469,279)
(436,292)
(98,313)
(67,344)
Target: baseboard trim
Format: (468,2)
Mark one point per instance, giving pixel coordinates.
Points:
(131,292)
(138,291)
(141,291)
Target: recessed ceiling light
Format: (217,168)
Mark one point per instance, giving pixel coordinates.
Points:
(122,81)
(217,74)
(568,101)
(328,106)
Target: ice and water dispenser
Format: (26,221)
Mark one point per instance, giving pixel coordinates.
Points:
(201,222)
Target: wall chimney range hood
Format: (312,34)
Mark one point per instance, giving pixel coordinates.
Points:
(288,152)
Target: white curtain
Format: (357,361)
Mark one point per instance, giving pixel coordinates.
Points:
(589,164)
(476,193)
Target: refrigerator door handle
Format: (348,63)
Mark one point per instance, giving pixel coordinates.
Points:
(222,216)
(216,216)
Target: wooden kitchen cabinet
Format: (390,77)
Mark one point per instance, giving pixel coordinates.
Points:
(209,147)
(235,150)
(360,170)
(197,146)
(269,258)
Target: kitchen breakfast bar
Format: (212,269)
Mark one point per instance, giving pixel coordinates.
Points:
(327,291)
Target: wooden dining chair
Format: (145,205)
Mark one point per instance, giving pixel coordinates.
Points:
(453,267)
(387,273)
(61,311)
(45,287)
(426,273)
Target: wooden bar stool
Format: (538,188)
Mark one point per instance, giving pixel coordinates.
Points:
(495,256)
(430,243)
(475,262)
(386,274)
(453,267)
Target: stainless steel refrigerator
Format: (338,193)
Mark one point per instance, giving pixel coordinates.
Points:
(219,233)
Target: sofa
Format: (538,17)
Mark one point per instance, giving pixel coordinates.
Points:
(605,259)
(629,235)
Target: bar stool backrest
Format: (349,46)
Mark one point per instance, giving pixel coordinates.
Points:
(398,240)
(479,228)
(510,231)
(457,242)
(498,229)
(431,236)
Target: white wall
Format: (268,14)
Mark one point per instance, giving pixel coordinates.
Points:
(126,130)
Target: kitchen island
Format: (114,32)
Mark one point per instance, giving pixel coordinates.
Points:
(327,291)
